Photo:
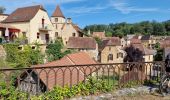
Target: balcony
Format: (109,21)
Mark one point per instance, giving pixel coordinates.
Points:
(45,27)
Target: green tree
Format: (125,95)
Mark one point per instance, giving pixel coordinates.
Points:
(23,58)
(158,29)
(54,51)
(159,55)
(2,10)
(108,34)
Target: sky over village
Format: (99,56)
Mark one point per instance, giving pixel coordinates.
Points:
(86,12)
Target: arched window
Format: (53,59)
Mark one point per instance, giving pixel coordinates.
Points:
(110,57)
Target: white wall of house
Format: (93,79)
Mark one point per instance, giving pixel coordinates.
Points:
(36,23)
(24,27)
(67,32)
(3,17)
(58,24)
(32,28)
(148,58)
(114,50)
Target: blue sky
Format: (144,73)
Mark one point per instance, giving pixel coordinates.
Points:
(87,12)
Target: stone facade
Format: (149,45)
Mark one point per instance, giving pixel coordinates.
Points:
(37,29)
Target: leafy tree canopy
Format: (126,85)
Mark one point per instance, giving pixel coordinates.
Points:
(2,9)
(122,29)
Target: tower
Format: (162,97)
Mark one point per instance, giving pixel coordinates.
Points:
(58,19)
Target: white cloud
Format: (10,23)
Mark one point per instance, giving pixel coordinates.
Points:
(125,8)
(82,10)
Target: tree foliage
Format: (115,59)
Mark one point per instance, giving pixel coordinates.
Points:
(122,29)
(23,58)
(54,51)
(2,10)
(133,55)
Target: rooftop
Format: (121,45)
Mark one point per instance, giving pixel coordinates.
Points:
(81,43)
(24,14)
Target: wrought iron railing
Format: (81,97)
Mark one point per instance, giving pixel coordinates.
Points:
(40,79)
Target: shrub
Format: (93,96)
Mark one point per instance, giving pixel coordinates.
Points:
(23,58)
(91,86)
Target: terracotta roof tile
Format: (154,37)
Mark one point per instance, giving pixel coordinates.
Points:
(165,43)
(110,41)
(146,37)
(66,75)
(99,34)
(76,27)
(58,12)
(24,14)
(81,43)
(135,41)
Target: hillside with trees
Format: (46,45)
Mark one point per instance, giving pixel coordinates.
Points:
(122,29)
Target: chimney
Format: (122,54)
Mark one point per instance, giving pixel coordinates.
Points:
(69,21)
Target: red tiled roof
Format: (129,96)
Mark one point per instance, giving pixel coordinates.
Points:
(5,14)
(58,12)
(76,27)
(110,41)
(64,75)
(135,41)
(165,43)
(99,34)
(24,14)
(81,43)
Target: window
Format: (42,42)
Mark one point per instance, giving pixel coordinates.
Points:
(43,20)
(38,35)
(119,55)
(56,19)
(24,34)
(20,48)
(33,47)
(110,57)
(56,26)
(47,36)
(109,48)
(74,34)
(56,34)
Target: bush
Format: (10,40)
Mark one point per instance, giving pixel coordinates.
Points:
(92,86)
(23,58)
(10,93)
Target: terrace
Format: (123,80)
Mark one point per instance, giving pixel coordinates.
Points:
(38,80)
